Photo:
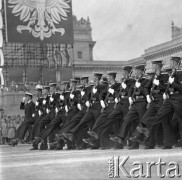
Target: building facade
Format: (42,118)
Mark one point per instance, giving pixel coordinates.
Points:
(60,62)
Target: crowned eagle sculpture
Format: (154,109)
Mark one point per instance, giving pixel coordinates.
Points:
(41,16)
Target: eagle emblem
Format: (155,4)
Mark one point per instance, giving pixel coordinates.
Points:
(41,16)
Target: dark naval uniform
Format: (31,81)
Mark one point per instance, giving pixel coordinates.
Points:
(171,105)
(29,108)
(118,113)
(112,92)
(38,114)
(59,118)
(41,113)
(71,106)
(97,94)
(138,108)
(156,132)
(77,118)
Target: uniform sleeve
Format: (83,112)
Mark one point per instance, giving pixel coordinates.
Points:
(103,92)
(178,85)
(32,107)
(77,96)
(66,99)
(88,96)
(88,93)
(162,82)
(22,105)
(147,86)
(131,90)
(117,89)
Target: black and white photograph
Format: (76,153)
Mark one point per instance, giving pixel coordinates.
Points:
(90,89)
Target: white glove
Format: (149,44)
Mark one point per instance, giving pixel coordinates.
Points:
(148,99)
(123,85)
(137,84)
(87,104)
(36,103)
(44,102)
(111,90)
(33,115)
(82,93)
(94,90)
(79,107)
(164,96)
(116,100)
(47,111)
(156,82)
(171,80)
(40,113)
(56,110)
(61,97)
(130,100)
(71,96)
(66,108)
(51,99)
(23,100)
(102,104)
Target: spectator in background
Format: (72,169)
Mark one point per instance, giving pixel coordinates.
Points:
(13,86)
(4,131)
(38,86)
(27,86)
(11,132)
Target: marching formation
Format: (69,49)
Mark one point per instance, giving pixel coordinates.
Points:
(145,107)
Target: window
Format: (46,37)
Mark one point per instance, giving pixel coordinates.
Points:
(79,55)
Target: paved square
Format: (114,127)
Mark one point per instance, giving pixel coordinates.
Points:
(19,163)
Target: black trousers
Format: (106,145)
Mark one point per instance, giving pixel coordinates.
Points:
(136,112)
(89,118)
(171,105)
(114,115)
(35,130)
(157,133)
(55,123)
(72,112)
(74,121)
(45,121)
(24,127)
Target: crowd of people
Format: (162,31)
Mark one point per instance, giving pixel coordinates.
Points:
(19,86)
(144,108)
(8,127)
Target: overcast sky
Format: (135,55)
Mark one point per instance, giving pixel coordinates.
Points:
(123,29)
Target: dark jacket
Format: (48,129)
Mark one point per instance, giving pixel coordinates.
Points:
(29,109)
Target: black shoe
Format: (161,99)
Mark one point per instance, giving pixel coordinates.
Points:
(140,138)
(69,136)
(34,148)
(58,148)
(178,144)
(144,131)
(88,141)
(167,147)
(43,146)
(117,140)
(14,142)
(60,136)
(93,147)
(71,148)
(149,147)
(93,134)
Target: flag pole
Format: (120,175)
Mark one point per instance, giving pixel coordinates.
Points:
(1,46)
